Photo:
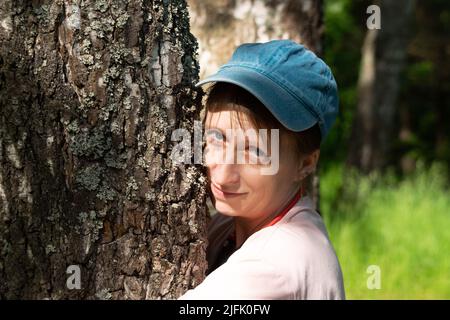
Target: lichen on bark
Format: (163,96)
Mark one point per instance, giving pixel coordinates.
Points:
(90,92)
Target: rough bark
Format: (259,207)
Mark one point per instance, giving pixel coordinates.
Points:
(220,26)
(90,92)
(383,56)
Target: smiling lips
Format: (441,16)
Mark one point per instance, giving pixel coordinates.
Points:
(223,194)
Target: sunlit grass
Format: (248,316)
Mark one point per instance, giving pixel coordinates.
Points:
(401,226)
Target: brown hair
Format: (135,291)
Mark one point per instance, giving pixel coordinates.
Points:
(222,95)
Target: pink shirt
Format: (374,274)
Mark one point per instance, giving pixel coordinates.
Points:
(292,259)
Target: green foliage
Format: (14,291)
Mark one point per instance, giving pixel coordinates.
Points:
(402,226)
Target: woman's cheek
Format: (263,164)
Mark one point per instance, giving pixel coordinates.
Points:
(254,173)
(256,183)
(213,156)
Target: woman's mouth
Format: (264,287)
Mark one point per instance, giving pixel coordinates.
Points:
(219,193)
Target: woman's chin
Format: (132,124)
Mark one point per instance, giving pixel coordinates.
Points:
(226,209)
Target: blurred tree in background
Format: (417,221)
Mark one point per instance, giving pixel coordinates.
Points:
(421,120)
(383,56)
(424,117)
(221,25)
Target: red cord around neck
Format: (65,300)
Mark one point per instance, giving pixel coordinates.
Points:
(286,209)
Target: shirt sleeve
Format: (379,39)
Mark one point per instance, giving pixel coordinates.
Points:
(252,279)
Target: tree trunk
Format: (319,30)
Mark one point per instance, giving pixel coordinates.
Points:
(220,26)
(383,56)
(90,92)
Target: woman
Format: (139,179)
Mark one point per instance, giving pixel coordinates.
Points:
(267,241)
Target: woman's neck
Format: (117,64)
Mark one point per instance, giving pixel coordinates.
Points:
(245,227)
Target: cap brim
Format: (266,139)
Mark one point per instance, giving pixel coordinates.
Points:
(290,111)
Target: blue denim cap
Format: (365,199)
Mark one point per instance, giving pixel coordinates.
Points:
(295,85)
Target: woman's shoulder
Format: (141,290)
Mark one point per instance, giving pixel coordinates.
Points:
(301,231)
(299,248)
(292,259)
(302,239)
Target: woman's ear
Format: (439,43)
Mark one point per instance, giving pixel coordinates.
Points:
(307,164)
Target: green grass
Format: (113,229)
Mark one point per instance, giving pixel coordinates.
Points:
(402,226)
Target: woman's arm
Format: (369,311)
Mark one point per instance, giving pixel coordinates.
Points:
(242,280)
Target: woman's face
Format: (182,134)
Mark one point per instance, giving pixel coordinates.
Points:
(241,189)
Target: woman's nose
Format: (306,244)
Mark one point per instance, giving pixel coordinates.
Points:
(224,174)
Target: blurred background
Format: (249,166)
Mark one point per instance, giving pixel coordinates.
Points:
(384,169)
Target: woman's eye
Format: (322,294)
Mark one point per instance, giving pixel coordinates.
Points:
(214,137)
(257,152)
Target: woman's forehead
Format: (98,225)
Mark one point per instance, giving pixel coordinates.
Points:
(229,119)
